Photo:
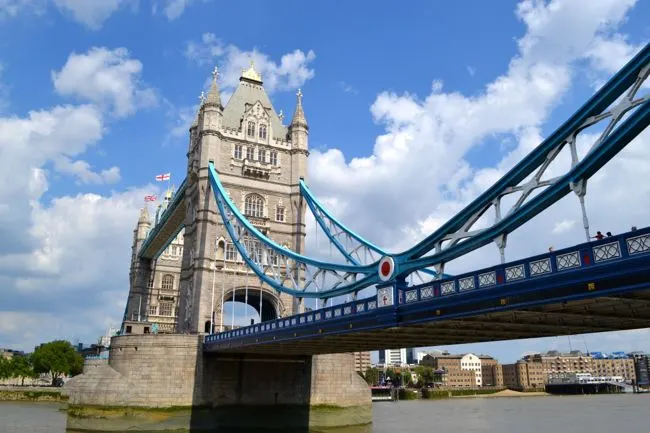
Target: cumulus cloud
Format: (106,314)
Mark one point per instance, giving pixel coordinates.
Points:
(418,176)
(291,72)
(105,77)
(11,8)
(93,13)
(175,8)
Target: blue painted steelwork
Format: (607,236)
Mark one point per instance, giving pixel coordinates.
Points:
(583,264)
(323,216)
(231,217)
(153,233)
(607,95)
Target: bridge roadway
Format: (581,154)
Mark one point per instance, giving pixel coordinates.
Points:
(592,287)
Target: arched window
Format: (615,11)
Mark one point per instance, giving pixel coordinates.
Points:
(168,282)
(263,132)
(251,129)
(207,327)
(254,206)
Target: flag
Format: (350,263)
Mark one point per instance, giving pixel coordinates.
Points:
(149,198)
(162,177)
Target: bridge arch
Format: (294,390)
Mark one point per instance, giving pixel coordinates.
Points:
(271,305)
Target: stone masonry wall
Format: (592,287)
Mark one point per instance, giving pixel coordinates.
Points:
(334,381)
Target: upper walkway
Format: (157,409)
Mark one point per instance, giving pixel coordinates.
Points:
(591,287)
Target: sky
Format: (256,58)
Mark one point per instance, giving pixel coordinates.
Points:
(413,111)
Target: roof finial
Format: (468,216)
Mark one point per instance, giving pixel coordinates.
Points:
(202,97)
(251,74)
(299,115)
(214,98)
(281,115)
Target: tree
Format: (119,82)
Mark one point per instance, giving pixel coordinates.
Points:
(21,367)
(407,378)
(5,368)
(57,358)
(425,374)
(372,376)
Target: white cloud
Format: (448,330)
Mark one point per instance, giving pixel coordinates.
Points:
(105,76)
(417,176)
(348,88)
(93,13)
(563,226)
(471,71)
(291,72)
(175,8)
(11,8)
(82,170)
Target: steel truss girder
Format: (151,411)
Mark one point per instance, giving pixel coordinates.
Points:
(353,247)
(456,237)
(282,269)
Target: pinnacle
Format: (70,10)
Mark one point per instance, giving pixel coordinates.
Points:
(299,115)
(144,216)
(214,97)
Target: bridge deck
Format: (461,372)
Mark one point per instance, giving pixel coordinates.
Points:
(606,288)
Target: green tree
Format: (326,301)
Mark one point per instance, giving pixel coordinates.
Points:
(21,367)
(407,378)
(57,358)
(425,374)
(5,368)
(372,376)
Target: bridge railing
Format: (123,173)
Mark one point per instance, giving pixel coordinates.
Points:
(565,260)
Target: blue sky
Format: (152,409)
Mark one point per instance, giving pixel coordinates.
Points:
(96,98)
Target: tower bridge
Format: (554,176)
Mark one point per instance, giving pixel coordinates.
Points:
(235,230)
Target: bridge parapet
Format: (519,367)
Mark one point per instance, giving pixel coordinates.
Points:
(535,269)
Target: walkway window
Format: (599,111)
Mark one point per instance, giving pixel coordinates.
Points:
(250,153)
(274,158)
(263,132)
(251,129)
(238,151)
(279,214)
(168,282)
(254,206)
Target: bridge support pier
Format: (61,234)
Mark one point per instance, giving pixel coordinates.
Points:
(164,382)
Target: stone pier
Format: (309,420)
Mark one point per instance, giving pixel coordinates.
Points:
(165,382)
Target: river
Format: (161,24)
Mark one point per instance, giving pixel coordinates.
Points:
(574,414)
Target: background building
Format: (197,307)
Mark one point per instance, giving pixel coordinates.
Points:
(465,370)
(397,357)
(361,361)
(641,368)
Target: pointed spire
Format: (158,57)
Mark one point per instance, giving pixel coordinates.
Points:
(144,216)
(299,115)
(195,124)
(214,97)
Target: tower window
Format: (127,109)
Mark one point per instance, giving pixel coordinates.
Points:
(263,132)
(238,151)
(261,155)
(231,252)
(279,213)
(166,309)
(153,310)
(150,285)
(251,129)
(254,206)
(274,158)
(168,282)
(250,153)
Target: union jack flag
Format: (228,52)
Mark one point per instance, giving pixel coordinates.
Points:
(149,198)
(162,177)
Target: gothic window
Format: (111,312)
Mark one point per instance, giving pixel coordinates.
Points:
(274,158)
(279,213)
(261,155)
(251,129)
(238,151)
(231,252)
(168,282)
(153,310)
(254,206)
(250,153)
(166,309)
(263,132)
(254,250)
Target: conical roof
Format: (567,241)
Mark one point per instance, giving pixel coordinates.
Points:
(299,114)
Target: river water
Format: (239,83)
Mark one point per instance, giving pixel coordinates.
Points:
(572,414)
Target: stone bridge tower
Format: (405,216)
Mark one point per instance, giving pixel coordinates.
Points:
(260,162)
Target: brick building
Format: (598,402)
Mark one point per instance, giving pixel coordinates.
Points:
(465,370)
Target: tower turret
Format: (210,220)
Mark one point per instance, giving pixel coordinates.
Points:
(212,108)
(144,224)
(299,133)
